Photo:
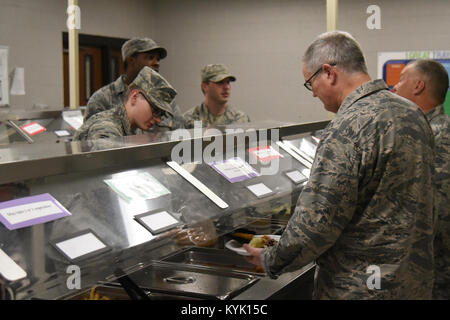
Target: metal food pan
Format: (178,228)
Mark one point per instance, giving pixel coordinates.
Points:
(218,259)
(185,280)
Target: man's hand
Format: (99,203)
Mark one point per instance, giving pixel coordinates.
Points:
(255,255)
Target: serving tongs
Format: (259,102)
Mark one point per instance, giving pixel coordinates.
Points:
(130,287)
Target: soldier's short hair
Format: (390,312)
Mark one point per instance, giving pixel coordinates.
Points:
(436,76)
(337,47)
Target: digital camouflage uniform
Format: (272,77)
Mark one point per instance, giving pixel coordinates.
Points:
(106,124)
(201,113)
(115,122)
(111,96)
(440,124)
(368,201)
(214,73)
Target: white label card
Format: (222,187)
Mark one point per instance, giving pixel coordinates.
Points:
(9,269)
(159,220)
(296,176)
(259,189)
(80,245)
(62,133)
(74,118)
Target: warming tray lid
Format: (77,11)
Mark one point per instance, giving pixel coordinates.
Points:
(184,280)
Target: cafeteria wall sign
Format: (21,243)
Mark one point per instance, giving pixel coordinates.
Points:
(4,80)
(391,64)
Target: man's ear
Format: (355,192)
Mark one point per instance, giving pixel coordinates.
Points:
(133,96)
(204,85)
(330,72)
(131,60)
(419,87)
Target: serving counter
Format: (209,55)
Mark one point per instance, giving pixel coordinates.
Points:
(37,126)
(110,188)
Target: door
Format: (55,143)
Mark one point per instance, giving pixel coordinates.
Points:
(100,64)
(91,77)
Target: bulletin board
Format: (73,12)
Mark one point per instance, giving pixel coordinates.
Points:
(391,64)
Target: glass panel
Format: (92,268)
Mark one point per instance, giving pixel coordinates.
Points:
(114,64)
(9,135)
(88,73)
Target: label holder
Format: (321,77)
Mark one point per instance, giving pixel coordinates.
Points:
(88,255)
(140,218)
(296,181)
(261,195)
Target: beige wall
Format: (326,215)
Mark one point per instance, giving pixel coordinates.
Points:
(262,42)
(33,31)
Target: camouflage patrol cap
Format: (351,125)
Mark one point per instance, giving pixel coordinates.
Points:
(135,45)
(215,73)
(155,88)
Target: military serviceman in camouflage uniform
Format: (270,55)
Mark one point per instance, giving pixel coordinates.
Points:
(214,110)
(425,82)
(147,99)
(136,54)
(366,213)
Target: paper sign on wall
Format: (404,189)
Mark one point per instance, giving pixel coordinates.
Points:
(25,212)
(18,82)
(4,79)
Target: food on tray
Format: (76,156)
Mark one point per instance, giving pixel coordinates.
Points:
(263,242)
(201,234)
(93,295)
(242,235)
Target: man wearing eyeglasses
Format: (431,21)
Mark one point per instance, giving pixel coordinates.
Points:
(366,214)
(136,53)
(147,99)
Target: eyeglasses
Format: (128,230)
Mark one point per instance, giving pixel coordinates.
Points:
(308,84)
(156,112)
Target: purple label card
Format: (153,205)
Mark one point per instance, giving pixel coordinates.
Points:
(25,212)
(234,169)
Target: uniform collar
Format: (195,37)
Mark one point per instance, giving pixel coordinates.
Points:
(122,114)
(120,85)
(362,91)
(205,109)
(435,112)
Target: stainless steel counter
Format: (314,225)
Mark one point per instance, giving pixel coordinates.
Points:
(75,173)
